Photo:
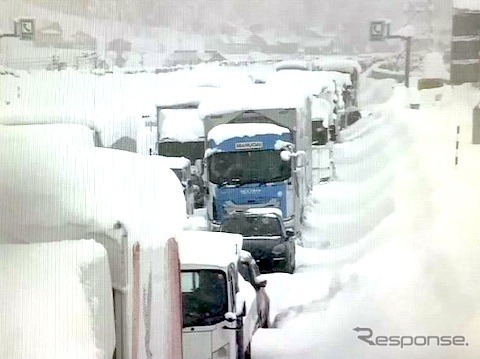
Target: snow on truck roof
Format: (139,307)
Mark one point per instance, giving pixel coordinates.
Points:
(56,301)
(311,82)
(203,248)
(471,5)
(182,125)
(89,188)
(64,135)
(341,65)
(111,123)
(173,162)
(252,97)
(224,132)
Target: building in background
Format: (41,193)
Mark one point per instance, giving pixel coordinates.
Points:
(465,50)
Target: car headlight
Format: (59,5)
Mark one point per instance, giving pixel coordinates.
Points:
(279,249)
(221,353)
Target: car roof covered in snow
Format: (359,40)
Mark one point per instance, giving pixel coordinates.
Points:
(224,132)
(252,97)
(201,248)
(265,211)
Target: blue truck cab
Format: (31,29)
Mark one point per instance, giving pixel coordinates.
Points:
(246,137)
(246,171)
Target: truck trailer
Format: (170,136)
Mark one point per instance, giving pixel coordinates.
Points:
(129,205)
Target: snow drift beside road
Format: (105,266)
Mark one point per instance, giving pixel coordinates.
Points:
(416,272)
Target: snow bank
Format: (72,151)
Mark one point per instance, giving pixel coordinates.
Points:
(415,273)
(56,301)
(224,132)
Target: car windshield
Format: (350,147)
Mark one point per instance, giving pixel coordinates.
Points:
(190,150)
(248,167)
(253,226)
(204,297)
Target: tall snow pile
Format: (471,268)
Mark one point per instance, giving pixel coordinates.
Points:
(396,247)
(56,301)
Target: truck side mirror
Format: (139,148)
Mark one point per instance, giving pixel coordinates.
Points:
(285,155)
(301,159)
(289,232)
(230,317)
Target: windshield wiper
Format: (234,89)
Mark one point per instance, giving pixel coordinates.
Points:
(231,182)
(276,179)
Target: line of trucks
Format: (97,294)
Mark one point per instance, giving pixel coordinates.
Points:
(106,270)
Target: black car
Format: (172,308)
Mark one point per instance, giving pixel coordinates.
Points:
(265,237)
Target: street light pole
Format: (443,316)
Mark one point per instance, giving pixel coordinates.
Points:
(408,51)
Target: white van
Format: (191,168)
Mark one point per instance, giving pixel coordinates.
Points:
(220,313)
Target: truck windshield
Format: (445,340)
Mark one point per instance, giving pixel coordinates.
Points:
(204,297)
(253,226)
(247,167)
(190,150)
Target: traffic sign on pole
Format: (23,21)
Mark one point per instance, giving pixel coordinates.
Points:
(378,30)
(25,28)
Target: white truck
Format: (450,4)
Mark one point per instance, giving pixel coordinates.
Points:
(130,205)
(220,309)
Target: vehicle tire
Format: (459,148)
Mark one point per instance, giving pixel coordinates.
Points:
(266,321)
(291,265)
(248,352)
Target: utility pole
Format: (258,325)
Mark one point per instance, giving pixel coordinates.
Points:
(380,31)
(408,51)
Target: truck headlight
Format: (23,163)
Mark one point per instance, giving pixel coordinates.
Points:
(221,353)
(279,249)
